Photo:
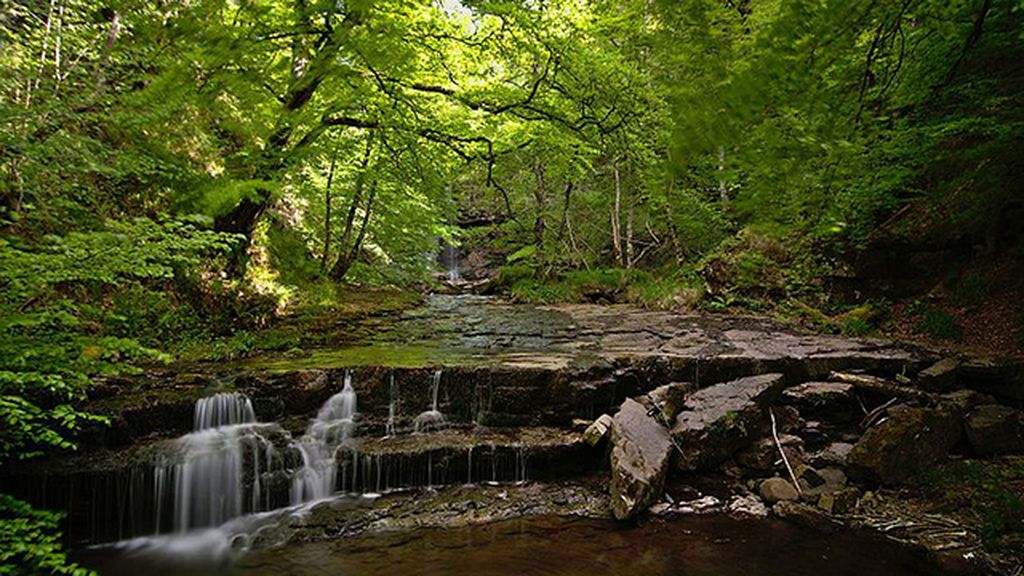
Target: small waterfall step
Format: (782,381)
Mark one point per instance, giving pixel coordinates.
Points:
(463,457)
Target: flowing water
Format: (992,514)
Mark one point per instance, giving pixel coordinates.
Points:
(692,546)
(333,425)
(431,419)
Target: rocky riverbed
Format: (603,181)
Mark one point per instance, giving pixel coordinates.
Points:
(593,411)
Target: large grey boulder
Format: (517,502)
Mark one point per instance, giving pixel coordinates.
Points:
(1001,378)
(719,420)
(994,429)
(641,450)
(908,441)
(939,377)
(829,401)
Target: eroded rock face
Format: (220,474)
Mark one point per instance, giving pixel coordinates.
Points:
(832,401)
(721,419)
(994,429)
(640,459)
(910,440)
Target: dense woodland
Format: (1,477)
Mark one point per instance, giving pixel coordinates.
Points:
(179,175)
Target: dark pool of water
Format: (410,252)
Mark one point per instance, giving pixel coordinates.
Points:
(696,546)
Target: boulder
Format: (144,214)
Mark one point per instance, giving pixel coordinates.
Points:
(721,419)
(835,454)
(787,418)
(966,399)
(777,489)
(763,455)
(903,444)
(1001,378)
(840,502)
(828,401)
(597,430)
(993,430)
(641,450)
(939,377)
(669,399)
(814,483)
(805,515)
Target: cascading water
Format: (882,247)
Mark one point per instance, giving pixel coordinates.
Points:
(222,409)
(326,433)
(389,429)
(431,419)
(451,262)
(213,474)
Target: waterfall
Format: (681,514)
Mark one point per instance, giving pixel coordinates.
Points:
(207,474)
(389,430)
(326,433)
(451,262)
(431,419)
(222,409)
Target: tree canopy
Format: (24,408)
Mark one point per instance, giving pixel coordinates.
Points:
(186,169)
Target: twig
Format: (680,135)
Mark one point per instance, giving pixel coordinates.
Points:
(785,460)
(873,416)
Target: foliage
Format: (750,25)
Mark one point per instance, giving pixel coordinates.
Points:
(29,541)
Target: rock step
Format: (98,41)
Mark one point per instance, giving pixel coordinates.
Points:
(513,390)
(110,494)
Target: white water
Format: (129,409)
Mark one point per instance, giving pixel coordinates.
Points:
(213,474)
(389,429)
(431,419)
(222,409)
(451,262)
(326,433)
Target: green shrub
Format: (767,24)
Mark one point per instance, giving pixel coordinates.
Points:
(939,324)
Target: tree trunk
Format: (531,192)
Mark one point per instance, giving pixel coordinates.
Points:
(540,196)
(327,211)
(565,226)
(616,212)
(629,236)
(346,259)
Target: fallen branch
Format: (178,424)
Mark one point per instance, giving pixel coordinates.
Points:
(879,386)
(785,460)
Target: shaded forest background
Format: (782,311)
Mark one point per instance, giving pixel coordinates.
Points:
(177,177)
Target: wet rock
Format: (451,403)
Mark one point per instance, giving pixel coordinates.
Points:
(1000,378)
(597,430)
(804,515)
(763,455)
(815,483)
(909,440)
(831,401)
(964,400)
(994,429)
(670,399)
(840,502)
(777,489)
(701,505)
(640,458)
(835,454)
(939,377)
(721,419)
(787,418)
(748,505)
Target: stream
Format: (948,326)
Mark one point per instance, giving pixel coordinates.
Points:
(714,545)
(465,454)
